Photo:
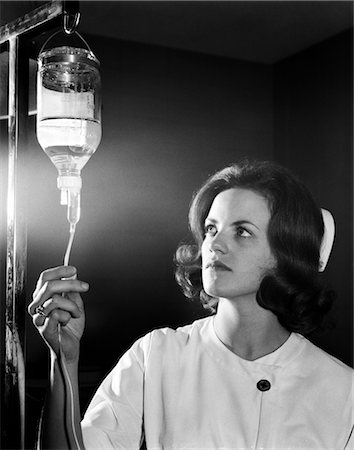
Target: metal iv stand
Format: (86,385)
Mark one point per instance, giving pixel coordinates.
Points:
(13,242)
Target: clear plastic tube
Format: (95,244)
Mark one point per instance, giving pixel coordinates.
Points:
(70,244)
(74,208)
(67,381)
(70,187)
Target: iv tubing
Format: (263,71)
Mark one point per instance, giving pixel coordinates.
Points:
(70,243)
(67,381)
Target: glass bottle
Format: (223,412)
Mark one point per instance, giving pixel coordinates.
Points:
(69,116)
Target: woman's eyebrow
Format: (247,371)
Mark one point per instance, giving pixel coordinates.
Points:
(236,223)
(244,221)
(209,219)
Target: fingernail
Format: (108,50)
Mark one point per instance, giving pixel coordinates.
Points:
(84,285)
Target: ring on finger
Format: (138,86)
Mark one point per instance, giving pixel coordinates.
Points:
(40,310)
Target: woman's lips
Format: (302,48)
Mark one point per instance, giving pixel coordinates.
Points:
(217,265)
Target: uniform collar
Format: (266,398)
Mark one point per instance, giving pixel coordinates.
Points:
(282,356)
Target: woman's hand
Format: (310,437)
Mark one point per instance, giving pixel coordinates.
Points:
(57,300)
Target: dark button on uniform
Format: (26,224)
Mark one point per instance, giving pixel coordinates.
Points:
(263,385)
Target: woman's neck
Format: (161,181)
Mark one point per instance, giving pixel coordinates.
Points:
(247,329)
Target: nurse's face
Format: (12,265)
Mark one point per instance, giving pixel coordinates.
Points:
(235,253)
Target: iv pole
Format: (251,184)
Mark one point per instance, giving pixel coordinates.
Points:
(13,269)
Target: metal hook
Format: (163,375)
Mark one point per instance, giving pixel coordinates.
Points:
(69,29)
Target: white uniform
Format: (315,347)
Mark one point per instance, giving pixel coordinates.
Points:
(183,389)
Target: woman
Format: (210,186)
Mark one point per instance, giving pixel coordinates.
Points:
(242,378)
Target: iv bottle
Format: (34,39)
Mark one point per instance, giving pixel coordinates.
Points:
(69,116)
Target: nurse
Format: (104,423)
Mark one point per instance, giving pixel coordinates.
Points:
(244,377)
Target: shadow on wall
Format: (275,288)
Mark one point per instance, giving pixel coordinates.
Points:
(313,136)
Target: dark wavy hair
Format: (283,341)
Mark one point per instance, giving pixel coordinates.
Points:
(293,291)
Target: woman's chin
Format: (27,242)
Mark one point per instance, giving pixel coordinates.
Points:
(215,291)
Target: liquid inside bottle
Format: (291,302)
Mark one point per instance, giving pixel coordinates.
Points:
(69,142)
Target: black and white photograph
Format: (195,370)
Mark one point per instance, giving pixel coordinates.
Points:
(176,225)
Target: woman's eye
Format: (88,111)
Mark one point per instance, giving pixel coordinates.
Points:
(210,229)
(242,232)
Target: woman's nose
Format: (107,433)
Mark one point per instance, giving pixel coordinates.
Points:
(218,244)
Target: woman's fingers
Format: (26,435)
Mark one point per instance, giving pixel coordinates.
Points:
(60,302)
(55,287)
(52,319)
(55,273)
(57,310)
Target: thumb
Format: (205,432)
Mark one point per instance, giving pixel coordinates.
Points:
(50,329)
